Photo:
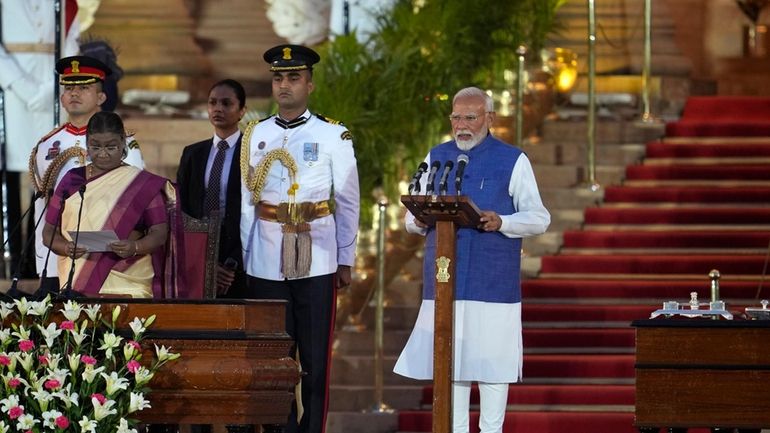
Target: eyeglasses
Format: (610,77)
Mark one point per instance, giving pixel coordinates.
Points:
(470,118)
(99,149)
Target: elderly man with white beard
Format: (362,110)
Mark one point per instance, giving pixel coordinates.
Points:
(487,313)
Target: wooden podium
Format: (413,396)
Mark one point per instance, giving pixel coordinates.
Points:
(235,365)
(447,213)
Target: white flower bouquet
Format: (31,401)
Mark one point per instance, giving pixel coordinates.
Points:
(72,370)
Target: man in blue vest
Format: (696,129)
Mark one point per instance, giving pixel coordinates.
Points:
(487,328)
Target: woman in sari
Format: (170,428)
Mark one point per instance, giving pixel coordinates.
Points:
(137,205)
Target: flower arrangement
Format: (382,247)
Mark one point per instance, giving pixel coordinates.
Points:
(71,370)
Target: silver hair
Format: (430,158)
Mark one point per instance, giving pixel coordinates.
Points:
(475,92)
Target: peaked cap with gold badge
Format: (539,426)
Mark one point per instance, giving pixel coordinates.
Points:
(288,57)
(81,70)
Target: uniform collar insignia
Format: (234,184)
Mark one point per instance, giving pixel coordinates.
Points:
(291,124)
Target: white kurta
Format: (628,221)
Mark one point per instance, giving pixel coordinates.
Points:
(487,335)
(326,166)
(48,148)
(28,77)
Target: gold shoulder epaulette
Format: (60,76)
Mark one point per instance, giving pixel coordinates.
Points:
(54,131)
(328,119)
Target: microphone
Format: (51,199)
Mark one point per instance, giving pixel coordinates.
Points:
(13,291)
(431,176)
(462,161)
(414,185)
(442,183)
(68,285)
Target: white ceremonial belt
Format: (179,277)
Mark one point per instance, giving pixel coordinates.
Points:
(29,48)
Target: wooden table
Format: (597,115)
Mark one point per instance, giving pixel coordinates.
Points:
(702,373)
(234,367)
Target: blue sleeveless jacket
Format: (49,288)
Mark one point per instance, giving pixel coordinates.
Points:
(487,263)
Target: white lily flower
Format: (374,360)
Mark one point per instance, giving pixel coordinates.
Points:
(109,342)
(26,422)
(73,360)
(143,376)
(79,335)
(69,399)
(90,373)
(49,418)
(87,425)
(26,360)
(4,427)
(71,310)
(40,308)
(122,427)
(5,335)
(102,411)
(164,354)
(93,312)
(6,308)
(137,402)
(9,402)
(50,333)
(53,360)
(22,333)
(43,397)
(137,327)
(114,383)
(22,305)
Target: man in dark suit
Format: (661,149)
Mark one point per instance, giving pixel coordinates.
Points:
(209,180)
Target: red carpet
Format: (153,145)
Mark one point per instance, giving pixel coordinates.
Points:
(689,194)
(681,215)
(642,246)
(721,116)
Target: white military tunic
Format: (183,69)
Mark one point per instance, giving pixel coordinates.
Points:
(27,74)
(323,151)
(46,152)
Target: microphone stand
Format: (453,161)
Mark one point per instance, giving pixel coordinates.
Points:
(68,285)
(13,292)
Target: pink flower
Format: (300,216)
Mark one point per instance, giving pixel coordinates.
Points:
(29,431)
(90,360)
(62,422)
(5,360)
(51,384)
(42,359)
(14,382)
(135,345)
(26,345)
(68,325)
(133,365)
(16,412)
(100,398)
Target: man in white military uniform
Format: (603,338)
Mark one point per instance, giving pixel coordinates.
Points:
(26,61)
(299,219)
(64,148)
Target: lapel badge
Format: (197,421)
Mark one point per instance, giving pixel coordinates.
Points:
(261,145)
(53,152)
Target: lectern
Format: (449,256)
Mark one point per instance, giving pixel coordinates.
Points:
(447,213)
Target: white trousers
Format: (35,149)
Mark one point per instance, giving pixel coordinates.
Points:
(494,400)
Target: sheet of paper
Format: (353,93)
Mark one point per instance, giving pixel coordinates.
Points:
(95,241)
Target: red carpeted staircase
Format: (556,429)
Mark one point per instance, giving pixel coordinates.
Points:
(700,200)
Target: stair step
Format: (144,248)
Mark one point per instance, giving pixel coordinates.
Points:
(692,194)
(525,394)
(678,215)
(745,265)
(722,149)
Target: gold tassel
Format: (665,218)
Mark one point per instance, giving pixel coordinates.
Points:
(289,251)
(304,250)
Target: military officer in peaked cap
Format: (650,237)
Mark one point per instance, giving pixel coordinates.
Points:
(64,148)
(299,219)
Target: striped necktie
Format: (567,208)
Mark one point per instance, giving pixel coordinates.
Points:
(211,202)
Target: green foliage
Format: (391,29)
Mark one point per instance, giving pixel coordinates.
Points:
(394,91)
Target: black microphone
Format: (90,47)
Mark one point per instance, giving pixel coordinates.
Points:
(431,176)
(414,185)
(13,291)
(442,183)
(68,285)
(462,161)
